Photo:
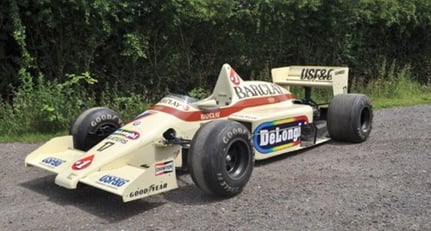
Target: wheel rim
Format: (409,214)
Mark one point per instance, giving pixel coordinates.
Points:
(104,130)
(237,159)
(365,119)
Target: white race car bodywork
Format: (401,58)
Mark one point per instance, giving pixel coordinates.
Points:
(136,161)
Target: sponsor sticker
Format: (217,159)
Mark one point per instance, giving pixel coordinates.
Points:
(105,146)
(117,139)
(210,115)
(234,78)
(142,115)
(52,162)
(83,163)
(174,103)
(112,181)
(164,167)
(131,135)
(316,74)
(259,89)
(277,135)
(148,190)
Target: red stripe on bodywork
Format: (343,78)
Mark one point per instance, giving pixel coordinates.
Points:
(224,111)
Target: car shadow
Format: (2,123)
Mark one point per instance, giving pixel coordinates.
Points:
(188,193)
(304,151)
(259,163)
(110,207)
(92,200)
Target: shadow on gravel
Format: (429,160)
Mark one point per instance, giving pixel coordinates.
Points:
(188,193)
(110,207)
(341,143)
(259,163)
(270,160)
(305,151)
(94,201)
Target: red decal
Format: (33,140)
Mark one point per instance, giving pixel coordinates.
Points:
(234,77)
(223,112)
(83,163)
(164,167)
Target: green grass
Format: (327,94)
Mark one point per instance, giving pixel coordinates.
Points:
(379,102)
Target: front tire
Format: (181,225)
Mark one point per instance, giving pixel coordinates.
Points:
(350,117)
(221,158)
(94,125)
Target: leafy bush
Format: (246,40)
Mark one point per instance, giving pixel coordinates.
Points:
(127,103)
(145,49)
(45,106)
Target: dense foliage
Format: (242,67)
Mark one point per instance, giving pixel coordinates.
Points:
(93,51)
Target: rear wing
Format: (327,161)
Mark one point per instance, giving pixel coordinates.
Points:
(312,76)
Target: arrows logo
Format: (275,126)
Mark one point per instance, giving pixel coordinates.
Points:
(83,163)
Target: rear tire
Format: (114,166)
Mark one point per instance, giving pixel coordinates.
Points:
(221,158)
(350,117)
(94,125)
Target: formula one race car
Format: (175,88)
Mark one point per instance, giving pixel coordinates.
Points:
(216,139)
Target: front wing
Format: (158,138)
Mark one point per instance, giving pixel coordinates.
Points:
(127,181)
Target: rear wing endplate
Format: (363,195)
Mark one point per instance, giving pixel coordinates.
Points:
(312,76)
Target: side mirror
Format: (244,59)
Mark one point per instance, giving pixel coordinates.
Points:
(170,137)
(169,134)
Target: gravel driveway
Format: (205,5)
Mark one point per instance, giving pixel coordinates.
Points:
(382,184)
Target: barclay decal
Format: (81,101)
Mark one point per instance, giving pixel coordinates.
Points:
(262,89)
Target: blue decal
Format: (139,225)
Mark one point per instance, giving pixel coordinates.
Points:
(142,115)
(52,162)
(277,135)
(113,180)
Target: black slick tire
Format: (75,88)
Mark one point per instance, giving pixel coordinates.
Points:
(221,158)
(94,125)
(350,117)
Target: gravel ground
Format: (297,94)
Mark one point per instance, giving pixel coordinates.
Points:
(382,184)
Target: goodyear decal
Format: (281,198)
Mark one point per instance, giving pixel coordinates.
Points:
(149,190)
(277,135)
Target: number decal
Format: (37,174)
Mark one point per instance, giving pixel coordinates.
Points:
(105,146)
(83,163)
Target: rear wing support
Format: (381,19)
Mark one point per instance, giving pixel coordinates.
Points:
(312,76)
